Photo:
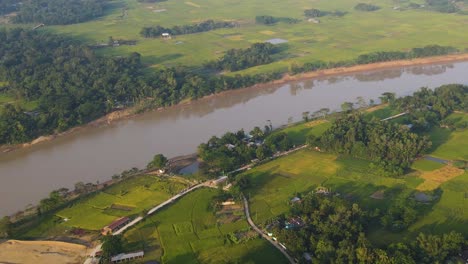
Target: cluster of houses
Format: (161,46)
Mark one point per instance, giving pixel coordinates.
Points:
(249,141)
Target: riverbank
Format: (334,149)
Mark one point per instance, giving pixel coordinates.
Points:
(128,113)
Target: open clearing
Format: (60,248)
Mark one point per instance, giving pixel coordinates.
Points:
(298,133)
(335,38)
(41,252)
(189,232)
(434,179)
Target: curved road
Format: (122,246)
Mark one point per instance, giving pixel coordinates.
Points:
(252,224)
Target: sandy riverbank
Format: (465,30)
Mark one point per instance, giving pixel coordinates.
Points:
(130,112)
(38,252)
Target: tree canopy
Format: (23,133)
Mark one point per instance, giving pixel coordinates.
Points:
(159,162)
(208,25)
(59,12)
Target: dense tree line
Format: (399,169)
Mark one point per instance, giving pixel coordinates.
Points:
(391,146)
(151,1)
(59,12)
(8,6)
(73,86)
(427,108)
(70,84)
(320,13)
(233,150)
(270,20)
(239,59)
(426,51)
(366,7)
(443,6)
(333,231)
(208,25)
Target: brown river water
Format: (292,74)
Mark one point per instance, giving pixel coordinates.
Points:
(93,154)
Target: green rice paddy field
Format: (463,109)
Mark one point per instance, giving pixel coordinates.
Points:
(189,232)
(275,183)
(334,38)
(127,198)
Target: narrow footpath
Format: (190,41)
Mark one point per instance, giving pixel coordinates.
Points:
(265,236)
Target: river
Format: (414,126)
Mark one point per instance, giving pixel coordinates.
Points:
(95,154)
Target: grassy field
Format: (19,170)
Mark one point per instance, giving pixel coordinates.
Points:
(426,165)
(95,212)
(275,183)
(298,133)
(335,38)
(189,232)
(448,144)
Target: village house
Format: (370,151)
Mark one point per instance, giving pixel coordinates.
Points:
(126,257)
(228,202)
(114,226)
(230,146)
(296,200)
(294,222)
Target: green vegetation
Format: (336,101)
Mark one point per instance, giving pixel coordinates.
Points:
(335,233)
(238,59)
(426,165)
(430,198)
(129,197)
(59,12)
(270,20)
(319,13)
(159,162)
(190,232)
(387,144)
(334,39)
(366,7)
(8,6)
(111,246)
(155,32)
(300,132)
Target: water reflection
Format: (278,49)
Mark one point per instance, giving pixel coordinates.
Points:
(97,153)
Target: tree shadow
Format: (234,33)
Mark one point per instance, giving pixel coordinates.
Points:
(161,59)
(439,137)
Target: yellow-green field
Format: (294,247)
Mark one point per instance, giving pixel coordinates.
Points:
(335,38)
(275,183)
(189,232)
(449,144)
(96,211)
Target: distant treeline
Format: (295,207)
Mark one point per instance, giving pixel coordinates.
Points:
(238,59)
(445,6)
(156,31)
(8,6)
(59,12)
(151,1)
(366,7)
(269,20)
(72,86)
(319,13)
(427,51)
